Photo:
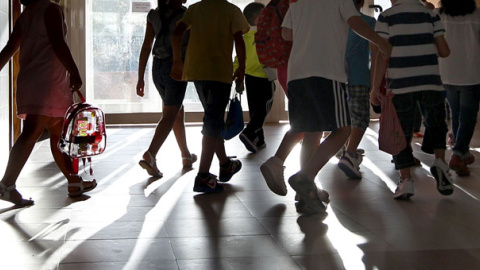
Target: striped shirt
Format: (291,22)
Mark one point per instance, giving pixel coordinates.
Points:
(411,29)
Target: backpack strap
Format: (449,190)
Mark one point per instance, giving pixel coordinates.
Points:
(84,160)
(82,98)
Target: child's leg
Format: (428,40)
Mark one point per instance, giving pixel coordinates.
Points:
(214,97)
(260,99)
(359,107)
(63,161)
(324,151)
(309,146)
(33,127)
(169,116)
(179,131)
(289,141)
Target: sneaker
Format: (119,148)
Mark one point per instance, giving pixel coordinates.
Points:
(272,171)
(350,165)
(440,170)
(457,164)
(207,185)
(404,189)
(250,141)
(307,191)
(261,144)
(340,152)
(228,170)
(360,151)
(322,195)
(469,159)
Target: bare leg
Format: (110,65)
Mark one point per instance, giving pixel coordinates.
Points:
(309,145)
(162,130)
(21,150)
(289,141)
(209,145)
(63,161)
(354,140)
(324,151)
(179,131)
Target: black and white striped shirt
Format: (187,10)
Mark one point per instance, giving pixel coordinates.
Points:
(411,29)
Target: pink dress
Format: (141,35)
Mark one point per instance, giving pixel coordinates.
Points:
(43,82)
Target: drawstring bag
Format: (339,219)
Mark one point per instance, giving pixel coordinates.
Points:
(234,123)
(83,132)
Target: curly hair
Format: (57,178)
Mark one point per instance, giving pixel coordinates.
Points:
(457,7)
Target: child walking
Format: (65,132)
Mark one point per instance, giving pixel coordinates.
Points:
(357,57)
(316,84)
(160,25)
(259,87)
(417,36)
(208,63)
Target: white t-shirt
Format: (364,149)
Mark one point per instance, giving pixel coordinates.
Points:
(462,66)
(320,33)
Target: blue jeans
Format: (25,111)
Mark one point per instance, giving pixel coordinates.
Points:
(463,100)
(432,107)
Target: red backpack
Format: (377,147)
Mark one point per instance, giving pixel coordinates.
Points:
(272,50)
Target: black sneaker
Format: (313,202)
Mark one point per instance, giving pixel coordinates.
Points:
(207,185)
(228,170)
(249,140)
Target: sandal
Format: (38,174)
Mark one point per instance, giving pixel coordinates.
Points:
(6,195)
(188,161)
(151,166)
(80,188)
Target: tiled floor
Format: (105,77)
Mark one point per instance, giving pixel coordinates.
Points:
(132,221)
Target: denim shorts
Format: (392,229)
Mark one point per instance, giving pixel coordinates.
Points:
(171,91)
(214,97)
(317,104)
(432,107)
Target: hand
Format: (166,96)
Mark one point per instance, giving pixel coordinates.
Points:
(75,81)
(140,88)
(177,70)
(374,97)
(239,74)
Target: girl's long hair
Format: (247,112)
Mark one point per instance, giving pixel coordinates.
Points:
(457,7)
(162,3)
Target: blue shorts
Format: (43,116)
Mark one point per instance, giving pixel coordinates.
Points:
(317,104)
(171,91)
(214,97)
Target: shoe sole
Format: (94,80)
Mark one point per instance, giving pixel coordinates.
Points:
(150,170)
(405,196)
(248,144)
(226,179)
(271,183)
(349,172)
(304,188)
(434,172)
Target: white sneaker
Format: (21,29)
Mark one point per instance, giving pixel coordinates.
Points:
(272,171)
(350,165)
(440,171)
(404,189)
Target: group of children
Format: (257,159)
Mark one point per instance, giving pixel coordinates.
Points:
(323,97)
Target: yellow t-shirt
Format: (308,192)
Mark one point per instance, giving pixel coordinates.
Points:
(253,66)
(212,24)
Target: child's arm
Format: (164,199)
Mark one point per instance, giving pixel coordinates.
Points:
(54,19)
(442,46)
(378,69)
(241,56)
(364,30)
(12,46)
(144,54)
(177,67)
(287,34)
